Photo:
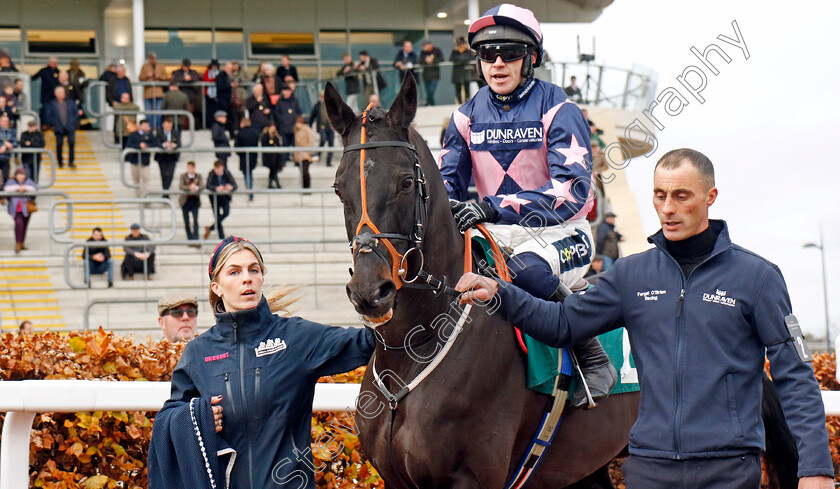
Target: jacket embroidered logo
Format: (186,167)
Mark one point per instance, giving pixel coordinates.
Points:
(270,347)
(719,297)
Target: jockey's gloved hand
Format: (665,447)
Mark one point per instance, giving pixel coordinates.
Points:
(468,214)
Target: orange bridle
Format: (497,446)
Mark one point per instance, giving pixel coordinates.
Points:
(370,241)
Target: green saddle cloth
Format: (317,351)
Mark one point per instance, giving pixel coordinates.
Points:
(542,364)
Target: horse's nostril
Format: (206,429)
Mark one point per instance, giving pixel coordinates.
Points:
(386,291)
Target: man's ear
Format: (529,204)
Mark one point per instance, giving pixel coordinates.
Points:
(160,322)
(711,196)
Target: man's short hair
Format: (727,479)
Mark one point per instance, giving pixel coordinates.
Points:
(675,158)
(218,163)
(363,53)
(97,228)
(191,163)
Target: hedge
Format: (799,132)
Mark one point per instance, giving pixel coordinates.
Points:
(93,450)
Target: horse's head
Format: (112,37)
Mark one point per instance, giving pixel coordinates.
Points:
(381,183)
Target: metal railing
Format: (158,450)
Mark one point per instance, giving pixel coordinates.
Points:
(309,88)
(23,398)
(621,88)
(142,205)
(38,151)
(315,243)
(122,300)
(38,193)
(175,112)
(247,150)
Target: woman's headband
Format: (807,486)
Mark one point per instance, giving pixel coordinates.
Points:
(221,246)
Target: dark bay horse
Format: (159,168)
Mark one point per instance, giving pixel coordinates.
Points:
(469,422)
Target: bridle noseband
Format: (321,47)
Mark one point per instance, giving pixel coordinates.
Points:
(365,242)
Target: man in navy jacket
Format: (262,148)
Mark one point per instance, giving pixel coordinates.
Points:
(701,313)
(63,114)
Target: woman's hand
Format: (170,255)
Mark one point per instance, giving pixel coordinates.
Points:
(217,412)
(476,289)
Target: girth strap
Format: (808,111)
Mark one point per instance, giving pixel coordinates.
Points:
(548,425)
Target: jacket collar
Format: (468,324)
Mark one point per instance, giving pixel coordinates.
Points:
(516,96)
(722,244)
(243,324)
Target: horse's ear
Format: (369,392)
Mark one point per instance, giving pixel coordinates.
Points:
(404,107)
(341,115)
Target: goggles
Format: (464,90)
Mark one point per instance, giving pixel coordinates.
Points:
(177,313)
(509,51)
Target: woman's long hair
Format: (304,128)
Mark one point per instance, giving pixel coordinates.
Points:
(279,298)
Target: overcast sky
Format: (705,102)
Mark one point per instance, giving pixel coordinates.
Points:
(768,123)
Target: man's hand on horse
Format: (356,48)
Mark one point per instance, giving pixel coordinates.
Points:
(476,289)
(468,214)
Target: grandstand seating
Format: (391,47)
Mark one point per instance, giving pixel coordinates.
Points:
(33,285)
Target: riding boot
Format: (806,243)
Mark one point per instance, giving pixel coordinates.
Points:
(598,373)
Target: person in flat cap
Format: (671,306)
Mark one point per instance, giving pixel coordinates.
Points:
(219,135)
(177,313)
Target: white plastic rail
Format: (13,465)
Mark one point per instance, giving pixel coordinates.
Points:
(20,400)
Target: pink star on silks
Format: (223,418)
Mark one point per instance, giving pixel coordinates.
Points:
(513,201)
(561,191)
(574,153)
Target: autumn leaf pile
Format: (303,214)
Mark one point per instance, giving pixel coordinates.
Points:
(107,449)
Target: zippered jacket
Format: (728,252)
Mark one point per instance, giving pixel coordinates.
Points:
(266,367)
(528,153)
(699,344)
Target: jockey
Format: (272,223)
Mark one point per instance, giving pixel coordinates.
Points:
(526,146)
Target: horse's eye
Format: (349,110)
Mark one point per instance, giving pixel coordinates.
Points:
(408,183)
(335,188)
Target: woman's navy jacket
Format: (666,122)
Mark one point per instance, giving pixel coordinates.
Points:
(266,367)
